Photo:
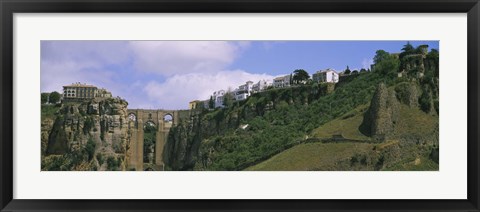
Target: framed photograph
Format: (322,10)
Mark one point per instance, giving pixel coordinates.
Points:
(266,105)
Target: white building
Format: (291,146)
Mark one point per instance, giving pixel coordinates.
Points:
(260,86)
(328,75)
(218,98)
(206,103)
(243,91)
(281,82)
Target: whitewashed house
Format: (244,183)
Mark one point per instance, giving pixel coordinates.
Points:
(281,82)
(260,86)
(218,98)
(243,91)
(328,75)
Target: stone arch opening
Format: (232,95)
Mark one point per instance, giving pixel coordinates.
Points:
(132,120)
(168,120)
(149,142)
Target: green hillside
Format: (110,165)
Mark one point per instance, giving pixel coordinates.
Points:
(392,119)
(346,126)
(401,152)
(311,156)
(276,120)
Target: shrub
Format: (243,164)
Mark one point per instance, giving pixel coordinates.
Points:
(425,100)
(90,148)
(112,163)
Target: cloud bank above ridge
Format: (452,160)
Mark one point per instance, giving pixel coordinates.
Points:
(148,74)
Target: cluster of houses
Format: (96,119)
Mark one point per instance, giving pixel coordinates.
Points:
(243,91)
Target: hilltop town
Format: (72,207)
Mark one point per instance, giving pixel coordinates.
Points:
(242,92)
(382,118)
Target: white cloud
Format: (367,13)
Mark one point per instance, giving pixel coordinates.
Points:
(177,91)
(180,57)
(65,62)
(98,52)
(148,74)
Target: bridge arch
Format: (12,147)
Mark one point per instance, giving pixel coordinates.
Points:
(168,117)
(132,120)
(168,120)
(160,121)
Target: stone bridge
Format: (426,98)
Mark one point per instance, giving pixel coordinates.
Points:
(163,120)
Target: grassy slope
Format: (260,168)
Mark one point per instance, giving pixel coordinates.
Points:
(347,126)
(311,156)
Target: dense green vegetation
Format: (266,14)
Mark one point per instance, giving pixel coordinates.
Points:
(401,153)
(277,120)
(248,132)
(48,111)
(149,137)
(52,98)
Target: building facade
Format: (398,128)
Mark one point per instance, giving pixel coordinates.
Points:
(243,91)
(328,75)
(79,91)
(218,98)
(260,86)
(195,104)
(281,82)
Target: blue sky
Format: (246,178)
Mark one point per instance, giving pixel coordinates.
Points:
(169,74)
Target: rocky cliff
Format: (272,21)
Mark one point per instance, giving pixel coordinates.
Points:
(204,141)
(89,135)
(382,115)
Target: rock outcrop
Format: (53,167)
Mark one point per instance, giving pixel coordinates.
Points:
(408,93)
(181,149)
(89,135)
(380,118)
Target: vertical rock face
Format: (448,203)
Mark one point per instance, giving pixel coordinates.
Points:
(379,121)
(89,135)
(46,126)
(407,93)
(180,152)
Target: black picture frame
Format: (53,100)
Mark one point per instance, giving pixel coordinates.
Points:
(9,7)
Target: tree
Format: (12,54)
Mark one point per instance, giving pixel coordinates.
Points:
(90,148)
(386,63)
(380,55)
(433,56)
(388,66)
(355,72)
(211,103)
(44,97)
(406,50)
(433,53)
(362,70)
(300,75)
(425,99)
(347,71)
(54,97)
(228,99)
